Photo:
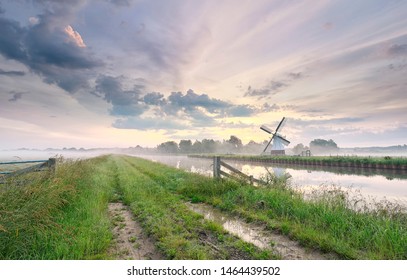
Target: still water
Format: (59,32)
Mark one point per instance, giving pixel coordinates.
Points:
(375,185)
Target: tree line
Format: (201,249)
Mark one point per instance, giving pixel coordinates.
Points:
(235,145)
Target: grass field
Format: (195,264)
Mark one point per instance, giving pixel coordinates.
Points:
(64,215)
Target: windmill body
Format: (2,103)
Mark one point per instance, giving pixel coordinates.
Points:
(279,141)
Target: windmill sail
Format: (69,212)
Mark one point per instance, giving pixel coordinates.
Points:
(278,141)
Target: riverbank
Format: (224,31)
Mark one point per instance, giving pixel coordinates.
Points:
(65,215)
(391,163)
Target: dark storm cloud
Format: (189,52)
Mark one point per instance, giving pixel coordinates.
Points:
(192,100)
(125,102)
(198,110)
(45,49)
(154,98)
(11,45)
(11,73)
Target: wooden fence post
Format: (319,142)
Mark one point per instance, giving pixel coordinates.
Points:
(216,167)
(52,162)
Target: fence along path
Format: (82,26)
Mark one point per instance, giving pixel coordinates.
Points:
(235,173)
(42,165)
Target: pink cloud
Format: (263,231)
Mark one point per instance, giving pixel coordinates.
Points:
(74,36)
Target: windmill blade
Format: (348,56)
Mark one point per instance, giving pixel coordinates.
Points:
(280,124)
(283,140)
(268,144)
(266,129)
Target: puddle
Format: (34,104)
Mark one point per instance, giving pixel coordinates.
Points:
(288,249)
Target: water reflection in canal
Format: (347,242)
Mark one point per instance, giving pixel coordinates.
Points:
(373,184)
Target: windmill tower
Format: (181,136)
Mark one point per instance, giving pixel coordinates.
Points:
(277,148)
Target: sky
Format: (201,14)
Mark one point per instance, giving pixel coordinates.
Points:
(121,73)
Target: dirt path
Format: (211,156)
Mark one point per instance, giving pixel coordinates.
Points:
(130,243)
(288,249)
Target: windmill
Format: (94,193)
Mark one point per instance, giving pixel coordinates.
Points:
(277,148)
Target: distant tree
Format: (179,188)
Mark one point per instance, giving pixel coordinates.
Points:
(208,146)
(323,146)
(297,149)
(235,142)
(197,147)
(253,147)
(169,147)
(185,146)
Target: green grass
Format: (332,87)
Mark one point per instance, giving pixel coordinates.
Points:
(324,160)
(325,222)
(56,216)
(64,215)
(179,232)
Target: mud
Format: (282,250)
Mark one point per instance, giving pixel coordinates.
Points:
(286,248)
(130,242)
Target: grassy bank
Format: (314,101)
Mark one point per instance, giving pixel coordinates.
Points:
(56,216)
(324,223)
(338,161)
(64,215)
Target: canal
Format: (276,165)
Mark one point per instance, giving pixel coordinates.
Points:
(372,185)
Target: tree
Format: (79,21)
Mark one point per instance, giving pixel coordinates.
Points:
(169,147)
(253,147)
(208,146)
(323,146)
(185,146)
(297,149)
(197,147)
(235,142)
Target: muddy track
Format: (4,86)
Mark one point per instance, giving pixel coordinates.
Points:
(282,245)
(130,242)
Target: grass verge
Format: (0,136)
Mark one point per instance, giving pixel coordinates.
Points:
(57,216)
(325,222)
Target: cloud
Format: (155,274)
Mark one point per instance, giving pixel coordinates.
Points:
(154,98)
(192,100)
(16,96)
(274,86)
(271,88)
(49,48)
(398,50)
(11,73)
(125,102)
(123,3)
(74,37)
(139,110)
(241,111)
